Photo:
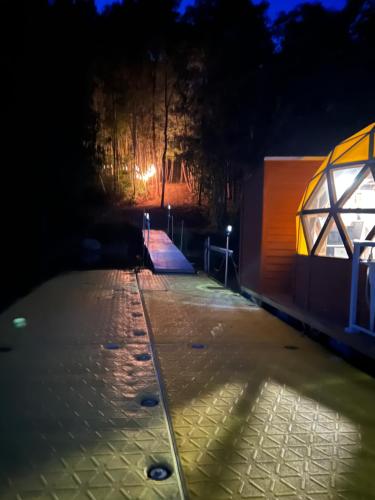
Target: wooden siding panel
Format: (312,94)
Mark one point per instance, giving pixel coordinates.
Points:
(283,187)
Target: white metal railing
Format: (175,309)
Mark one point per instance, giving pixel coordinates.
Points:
(353,326)
(208,248)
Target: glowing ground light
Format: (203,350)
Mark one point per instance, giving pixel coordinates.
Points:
(149,402)
(139,333)
(112,346)
(143,357)
(159,472)
(19,322)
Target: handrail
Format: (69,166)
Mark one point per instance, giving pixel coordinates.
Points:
(208,248)
(354,327)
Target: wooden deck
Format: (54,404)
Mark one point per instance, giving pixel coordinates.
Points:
(164,255)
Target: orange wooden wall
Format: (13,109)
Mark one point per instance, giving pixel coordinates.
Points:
(268,225)
(284,183)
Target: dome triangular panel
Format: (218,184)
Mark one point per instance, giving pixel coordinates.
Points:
(312,184)
(343,178)
(359,151)
(301,241)
(314,224)
(363,196)
(320,196)
(358,228)
(331,244)
(344,147)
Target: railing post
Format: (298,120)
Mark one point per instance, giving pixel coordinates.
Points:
(148,230)
(226,263)
(354,288)
(205,256)
(371,278)
(143,238)
(208,255)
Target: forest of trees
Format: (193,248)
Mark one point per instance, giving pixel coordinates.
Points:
(201,96)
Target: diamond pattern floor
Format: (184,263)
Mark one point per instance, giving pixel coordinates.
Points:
(149,281)
(252,418)
(71,423)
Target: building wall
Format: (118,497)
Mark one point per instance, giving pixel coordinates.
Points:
(268,223)
(269,266)
(322,288)
(285,180)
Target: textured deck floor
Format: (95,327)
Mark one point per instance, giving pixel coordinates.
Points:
(71,423)
(164,255)
(258,410)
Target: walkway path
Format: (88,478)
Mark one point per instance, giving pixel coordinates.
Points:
(71,421)
(258,410)
(165,256)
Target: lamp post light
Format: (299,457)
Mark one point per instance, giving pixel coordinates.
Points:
(169,217)
(228,232)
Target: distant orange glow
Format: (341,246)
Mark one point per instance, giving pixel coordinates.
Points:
(146,176)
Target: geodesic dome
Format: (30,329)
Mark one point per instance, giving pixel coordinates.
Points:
(338,205)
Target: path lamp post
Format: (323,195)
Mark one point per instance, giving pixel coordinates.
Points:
(228,231)
(169,217)
(147,215)
(143,237)
(145,224)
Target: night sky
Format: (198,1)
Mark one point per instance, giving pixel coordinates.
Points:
(275,5)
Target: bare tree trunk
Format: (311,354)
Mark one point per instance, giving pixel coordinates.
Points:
(102,183)
(186,177)
(225,208)
(154,152)
(225,190)
(165,149)
(134,142)
(181,171)
(200,190)
(114,145)
(171,171)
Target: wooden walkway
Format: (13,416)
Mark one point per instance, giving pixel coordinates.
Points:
(165,256)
